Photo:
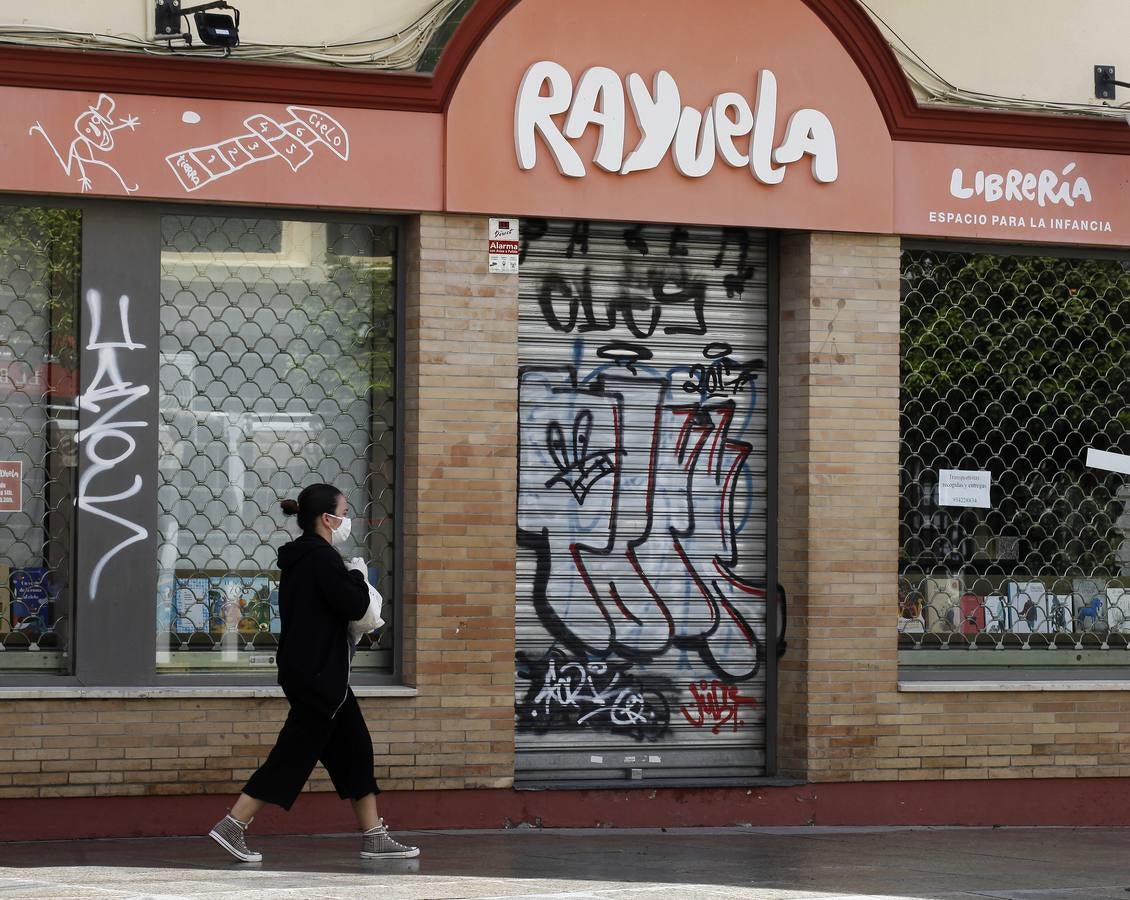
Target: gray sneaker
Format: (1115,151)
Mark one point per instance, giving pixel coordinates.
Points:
(229,833)
(377,843)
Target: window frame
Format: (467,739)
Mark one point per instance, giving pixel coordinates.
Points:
(92,660)
(960,669)
(55,675)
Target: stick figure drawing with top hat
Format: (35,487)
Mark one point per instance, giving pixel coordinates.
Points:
(95,129)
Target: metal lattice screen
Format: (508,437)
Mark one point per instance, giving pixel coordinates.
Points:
(277,371)
(39,270)
(1015,366)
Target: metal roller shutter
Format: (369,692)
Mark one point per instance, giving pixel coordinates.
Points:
(643,498)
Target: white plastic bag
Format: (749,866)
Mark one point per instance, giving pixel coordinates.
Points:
(372,620)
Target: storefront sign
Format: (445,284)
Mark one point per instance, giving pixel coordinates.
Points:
(1005,194)
(502,247)
(11,486)
(693,138)
(961,488)
(767,122)
(668,118)
(139,145)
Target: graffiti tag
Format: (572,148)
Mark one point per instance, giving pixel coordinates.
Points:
(108,388)
(587,694)
(716,703)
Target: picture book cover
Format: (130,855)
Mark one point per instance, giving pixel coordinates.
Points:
(1090,604)
(5,600)
(166,599)
(912,612)
(1061,612)
(1118,609)
(998,618)
(191,605)
(33,592)
(1029,602)
(942,597)
(972,614)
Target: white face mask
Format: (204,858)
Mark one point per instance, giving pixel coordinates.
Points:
(340,534)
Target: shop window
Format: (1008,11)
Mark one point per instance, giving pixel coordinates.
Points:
(39,268)
(277,369)
(1013,367)
(221,236)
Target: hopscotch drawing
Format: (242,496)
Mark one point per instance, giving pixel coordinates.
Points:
(295,141)
(95,136)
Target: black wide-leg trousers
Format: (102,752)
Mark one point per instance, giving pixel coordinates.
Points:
(308,736)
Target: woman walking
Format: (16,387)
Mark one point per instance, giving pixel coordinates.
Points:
(319,596)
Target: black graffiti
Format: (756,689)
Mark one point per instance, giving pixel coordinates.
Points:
(735,282)
(677,245)
(578,466)
(723,374)
(591,694)
(634,240)
(567,304)
(532,230)
(627,614)
(625,354)
(579,238)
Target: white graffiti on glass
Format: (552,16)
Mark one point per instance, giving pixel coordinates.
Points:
(294,141)
(95,136)
(110,390)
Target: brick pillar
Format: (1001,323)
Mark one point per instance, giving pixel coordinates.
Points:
(461,392)
(838,494)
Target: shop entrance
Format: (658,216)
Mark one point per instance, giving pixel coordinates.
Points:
(644,501)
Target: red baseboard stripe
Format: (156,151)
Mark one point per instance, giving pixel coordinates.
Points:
(1075,802)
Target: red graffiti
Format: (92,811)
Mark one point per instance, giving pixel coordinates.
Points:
(719,702)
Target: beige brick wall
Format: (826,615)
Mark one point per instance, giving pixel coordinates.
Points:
(792,492)
(842,717)
(838,544)
(460,506)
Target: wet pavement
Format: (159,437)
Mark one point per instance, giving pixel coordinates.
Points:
(775,864)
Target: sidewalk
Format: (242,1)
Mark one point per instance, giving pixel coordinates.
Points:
(774,864)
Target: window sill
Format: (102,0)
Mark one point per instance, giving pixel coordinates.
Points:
(1013,680)
(1011,687)
(144,693)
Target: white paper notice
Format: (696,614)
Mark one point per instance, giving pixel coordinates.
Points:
(502,247)
(1110,462)
(11,486)
(960,488)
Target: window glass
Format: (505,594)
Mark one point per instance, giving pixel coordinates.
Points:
(277,371)
(1013,536)
(218,236)
(39,266)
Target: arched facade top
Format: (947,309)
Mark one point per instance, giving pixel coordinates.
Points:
(184,76)
(906,119)
(852,27)
(655,113)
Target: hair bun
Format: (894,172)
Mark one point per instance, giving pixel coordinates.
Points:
(289,507)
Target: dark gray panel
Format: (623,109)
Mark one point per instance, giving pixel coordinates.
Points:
(117,520)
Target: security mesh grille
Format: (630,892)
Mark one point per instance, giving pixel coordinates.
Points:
(1016,366)
(277,371)
(39,265)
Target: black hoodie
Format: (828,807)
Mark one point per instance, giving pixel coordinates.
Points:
(318,598)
